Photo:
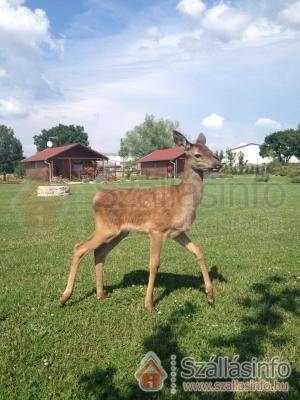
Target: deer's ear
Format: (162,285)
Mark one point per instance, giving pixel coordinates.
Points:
(201,139)
(181,140)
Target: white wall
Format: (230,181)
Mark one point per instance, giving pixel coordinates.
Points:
(294,159)
(116,159)
(251,154)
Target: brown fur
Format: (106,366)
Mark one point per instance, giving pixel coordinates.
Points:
(160,212)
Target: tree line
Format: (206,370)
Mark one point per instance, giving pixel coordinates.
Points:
(150,135)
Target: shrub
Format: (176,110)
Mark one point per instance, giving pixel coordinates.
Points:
(295,179)
(294,173)
(262,178)
(290,170)
(225,175)
(251,169)
(20,170)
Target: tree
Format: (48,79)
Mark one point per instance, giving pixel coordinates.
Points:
(241,161)
(231,157)
(282,144)
(11,150)
(219,155)
(150,135)
(61,134)
(20,170)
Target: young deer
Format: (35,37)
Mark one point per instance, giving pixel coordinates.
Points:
(161,212)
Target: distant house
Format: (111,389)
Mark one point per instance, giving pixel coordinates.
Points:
(251,154)
(165,163)
(65,161)
(115,159)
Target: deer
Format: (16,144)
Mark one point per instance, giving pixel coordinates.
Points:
(160,212)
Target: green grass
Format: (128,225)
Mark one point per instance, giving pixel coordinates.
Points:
(91,349)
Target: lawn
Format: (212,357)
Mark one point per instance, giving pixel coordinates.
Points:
(91,349)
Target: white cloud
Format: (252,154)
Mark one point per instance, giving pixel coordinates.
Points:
(291,14)
(13,2)
(24,39)
(192,8)
(23,30)
(261,29)
(12,109)
(3,72)
(106,118)
(267,122)
(213,121)
(224,21)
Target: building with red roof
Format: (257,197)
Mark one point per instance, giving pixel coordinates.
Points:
(164,163)
(65,161)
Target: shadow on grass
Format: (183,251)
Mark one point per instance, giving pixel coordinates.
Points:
(262,323)
(167,280)
(4,317)
(264,313)
(100,383)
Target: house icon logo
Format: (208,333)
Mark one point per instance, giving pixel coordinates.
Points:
(150,374)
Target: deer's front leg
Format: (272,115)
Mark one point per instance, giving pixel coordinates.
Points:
(156,241)
(185,241)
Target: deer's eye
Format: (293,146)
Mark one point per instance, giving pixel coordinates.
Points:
(198,155)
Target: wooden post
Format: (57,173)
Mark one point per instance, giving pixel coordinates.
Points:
(70,168)
(52,169)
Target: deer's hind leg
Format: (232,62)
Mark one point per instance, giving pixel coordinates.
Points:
(80,250)
(100,255)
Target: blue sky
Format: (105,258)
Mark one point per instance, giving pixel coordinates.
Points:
(229,69)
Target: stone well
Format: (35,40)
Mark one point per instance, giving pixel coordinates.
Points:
(51,191)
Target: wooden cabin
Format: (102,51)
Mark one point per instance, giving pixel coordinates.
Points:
(165,163)
(68,161)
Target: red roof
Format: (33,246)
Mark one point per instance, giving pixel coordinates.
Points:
(55,151)
(163,155)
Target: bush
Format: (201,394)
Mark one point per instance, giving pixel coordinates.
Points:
(295,179)
(225,175)
(20,170)
(227,170)
(262,178)
(135,177)
(294,173)
(291,170)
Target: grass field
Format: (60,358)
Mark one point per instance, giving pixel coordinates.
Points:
(91,349)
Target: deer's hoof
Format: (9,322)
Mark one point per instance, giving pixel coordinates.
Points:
(209,296)
(64,298)
(62,302)
(210,300)
(150,308)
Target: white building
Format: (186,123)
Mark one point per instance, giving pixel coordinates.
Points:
(251,154)
(115,159)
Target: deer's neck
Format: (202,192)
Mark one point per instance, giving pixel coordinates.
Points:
(192,180)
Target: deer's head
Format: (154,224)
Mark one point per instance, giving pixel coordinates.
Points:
(202,158)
